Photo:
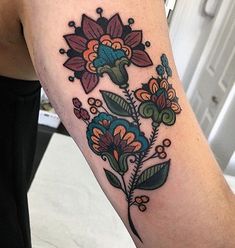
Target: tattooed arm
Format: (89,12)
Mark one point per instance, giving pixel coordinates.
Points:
(108,69)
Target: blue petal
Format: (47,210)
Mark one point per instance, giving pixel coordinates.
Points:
(107,56)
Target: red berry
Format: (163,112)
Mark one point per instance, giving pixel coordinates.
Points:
(162,155)
(145,198)
(91,101)
(98,103)
(159,149)
(138,200)
(166,142)
(77,103)
(93,110)
(142,207)
(85,115)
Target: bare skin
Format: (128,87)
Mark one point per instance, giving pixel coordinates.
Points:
(196,207)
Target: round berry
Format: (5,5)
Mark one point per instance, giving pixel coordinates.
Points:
(147,44)
(99,11)
(93,110)
(71,24)
(71,79)
(159,149)
(162,155)
(62,51)
(131,21)
(138,200)
(98,103)
(142,207)
(166,142)
(91,101)
(145,198)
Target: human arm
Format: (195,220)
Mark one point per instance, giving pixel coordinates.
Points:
(191,198)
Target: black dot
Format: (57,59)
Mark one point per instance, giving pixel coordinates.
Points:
(147,44)
(71,79)
(99,11)
(131,21)
(71,24)
(62,51)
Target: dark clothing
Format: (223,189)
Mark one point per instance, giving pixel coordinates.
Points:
(19,106)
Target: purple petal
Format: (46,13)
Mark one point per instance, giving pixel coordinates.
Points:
(133,39)
(141,58)
(115,26)
(76,42)
(75,64)
(77,113)
(89,81)
(91,29)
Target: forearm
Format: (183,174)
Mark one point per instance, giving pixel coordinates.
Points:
(137,128)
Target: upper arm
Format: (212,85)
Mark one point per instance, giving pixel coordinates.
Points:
(143,112)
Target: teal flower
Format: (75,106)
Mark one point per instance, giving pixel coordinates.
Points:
(158,102)
(116,139)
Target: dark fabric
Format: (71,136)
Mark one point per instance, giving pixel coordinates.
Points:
(19,106)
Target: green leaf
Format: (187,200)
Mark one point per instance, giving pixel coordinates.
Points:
(114,181)
(112,161)
(153,177)
(123,162)
(116,104)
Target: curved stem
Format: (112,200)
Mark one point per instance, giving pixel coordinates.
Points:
(133,229)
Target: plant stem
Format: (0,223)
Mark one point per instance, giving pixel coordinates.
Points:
(130,99)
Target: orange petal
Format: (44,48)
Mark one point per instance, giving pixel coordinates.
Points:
(153,85)
(171,94)
(92,44)
(127,50)
(97,132)
(96,147)
(164,84)
(142,95)
(129,137)
(90,67)
(137,145)
(95,139)
(116,45)
(120,130)
(175,107)
(115,154)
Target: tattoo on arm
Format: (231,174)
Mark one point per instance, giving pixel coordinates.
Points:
(114,124)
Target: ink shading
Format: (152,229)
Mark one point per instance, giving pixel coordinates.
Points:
(114,131)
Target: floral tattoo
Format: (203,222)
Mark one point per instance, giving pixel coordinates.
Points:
(114,124)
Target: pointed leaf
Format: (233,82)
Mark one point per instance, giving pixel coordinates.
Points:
(75,64)
(91,29)
(89,81)
(133,39)
(76,42)
(153,177)
(141,58)
(116,103)
(114,181)
(115,26)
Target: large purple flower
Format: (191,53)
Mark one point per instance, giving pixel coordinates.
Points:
(104,46)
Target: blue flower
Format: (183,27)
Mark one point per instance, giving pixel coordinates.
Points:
(164,60)
(160,70)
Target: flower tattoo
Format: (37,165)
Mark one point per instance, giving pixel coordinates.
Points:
(104,46)
(115,121)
